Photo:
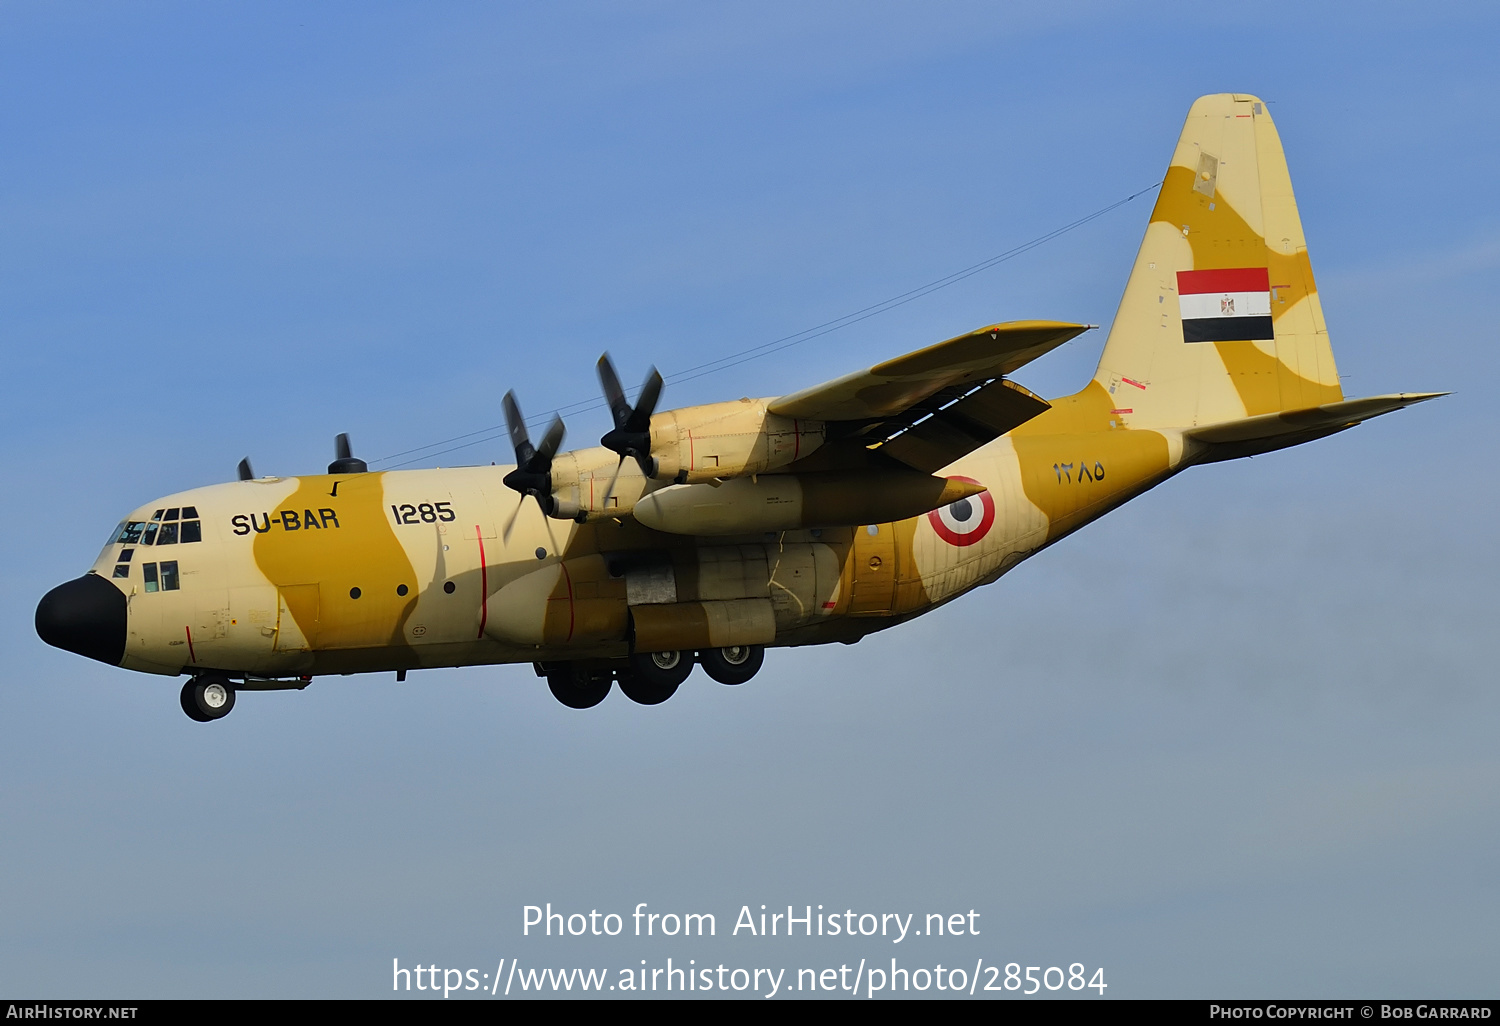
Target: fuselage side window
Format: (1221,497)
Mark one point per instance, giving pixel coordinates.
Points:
(169,581)
(148,574)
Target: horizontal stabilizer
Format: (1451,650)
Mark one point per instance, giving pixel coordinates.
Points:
(1254,435)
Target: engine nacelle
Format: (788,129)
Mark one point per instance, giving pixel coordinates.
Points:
(725,440)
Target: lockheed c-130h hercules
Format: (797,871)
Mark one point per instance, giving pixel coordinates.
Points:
(701,536)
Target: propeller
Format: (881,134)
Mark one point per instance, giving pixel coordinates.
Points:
(631,436)
(347,462)
(533,473)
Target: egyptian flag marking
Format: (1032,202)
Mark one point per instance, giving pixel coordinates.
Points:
(1228,305)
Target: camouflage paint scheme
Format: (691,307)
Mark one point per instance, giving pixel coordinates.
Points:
(277,600)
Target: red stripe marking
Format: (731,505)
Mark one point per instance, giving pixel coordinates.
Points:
(191,654)
(1132,381)
(1228,279)
(1122,411)
(829,605)
(484,583)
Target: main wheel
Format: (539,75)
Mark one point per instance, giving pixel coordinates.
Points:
(654,677)
(207,698)
(734,664)
(577,688)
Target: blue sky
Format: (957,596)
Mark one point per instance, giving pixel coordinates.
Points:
(1236,739)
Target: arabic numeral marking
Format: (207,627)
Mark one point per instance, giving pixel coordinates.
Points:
(1075,976)
(994,971)
(429,515)
(1013,976)
(1098,981)
(1064,472)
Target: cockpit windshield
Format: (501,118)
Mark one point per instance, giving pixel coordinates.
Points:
(166,527)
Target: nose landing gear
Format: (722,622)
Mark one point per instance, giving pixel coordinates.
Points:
(208,697)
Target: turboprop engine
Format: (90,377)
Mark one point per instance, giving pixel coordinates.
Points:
(784,502)
(728,440)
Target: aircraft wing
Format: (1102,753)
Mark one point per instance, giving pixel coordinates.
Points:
(929,408)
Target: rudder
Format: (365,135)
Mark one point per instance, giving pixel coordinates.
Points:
(1220,320)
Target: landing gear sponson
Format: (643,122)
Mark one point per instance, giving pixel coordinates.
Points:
(649,678)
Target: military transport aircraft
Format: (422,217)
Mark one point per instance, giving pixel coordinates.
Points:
(703,535)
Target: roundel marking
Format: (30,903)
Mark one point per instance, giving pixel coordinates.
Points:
(966,521)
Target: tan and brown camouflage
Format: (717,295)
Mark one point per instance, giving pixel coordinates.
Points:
(815,517)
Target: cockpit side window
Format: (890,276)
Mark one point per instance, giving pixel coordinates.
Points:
(192,527)
(130,532)
(149,538)
(168,533)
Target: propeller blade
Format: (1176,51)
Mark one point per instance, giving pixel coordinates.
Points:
(505,534)
(516,425)
(552,440)
(645,405)
(547,522)
(345,462)
(246,474)
(613,393)
(604,503)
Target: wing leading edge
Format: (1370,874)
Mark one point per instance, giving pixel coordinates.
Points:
(929,408)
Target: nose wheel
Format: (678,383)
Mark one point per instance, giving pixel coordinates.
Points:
(209,697)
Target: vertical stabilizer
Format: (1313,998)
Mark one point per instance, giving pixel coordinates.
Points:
(1220,319)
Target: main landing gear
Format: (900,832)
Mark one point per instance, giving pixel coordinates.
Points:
(649,678)
(207,697)
(576,687)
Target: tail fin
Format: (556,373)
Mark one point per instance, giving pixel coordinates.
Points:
(1220,320)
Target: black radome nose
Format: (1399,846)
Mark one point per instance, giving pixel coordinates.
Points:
(87,616)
